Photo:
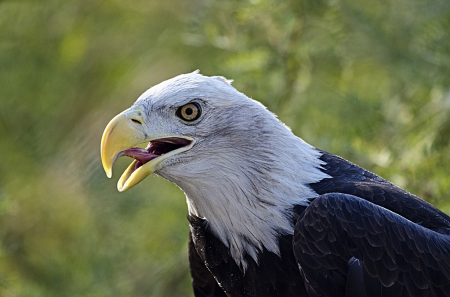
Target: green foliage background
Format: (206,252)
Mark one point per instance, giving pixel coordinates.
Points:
(367,80)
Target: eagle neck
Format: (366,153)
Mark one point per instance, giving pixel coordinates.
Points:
(248,204)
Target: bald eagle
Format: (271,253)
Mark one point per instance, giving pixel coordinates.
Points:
(269,214)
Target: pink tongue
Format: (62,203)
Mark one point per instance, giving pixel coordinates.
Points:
(140,154)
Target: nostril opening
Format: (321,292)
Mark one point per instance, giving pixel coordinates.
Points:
(136,121)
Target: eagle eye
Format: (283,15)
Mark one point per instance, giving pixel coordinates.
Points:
(189,112)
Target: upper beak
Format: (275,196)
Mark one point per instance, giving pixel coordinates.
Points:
(120,134)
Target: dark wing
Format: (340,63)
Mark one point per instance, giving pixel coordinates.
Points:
(349,178)
(202,280)
(345,243)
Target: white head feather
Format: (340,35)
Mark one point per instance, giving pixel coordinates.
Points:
(246,169)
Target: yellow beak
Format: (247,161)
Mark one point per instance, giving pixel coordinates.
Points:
(125,131)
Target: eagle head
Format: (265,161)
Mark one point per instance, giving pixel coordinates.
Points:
(187,121)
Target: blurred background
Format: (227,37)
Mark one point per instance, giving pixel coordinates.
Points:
(366,80)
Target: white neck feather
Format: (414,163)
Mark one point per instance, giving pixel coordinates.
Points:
(247,197)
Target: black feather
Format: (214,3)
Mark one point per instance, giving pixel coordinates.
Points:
(383,254)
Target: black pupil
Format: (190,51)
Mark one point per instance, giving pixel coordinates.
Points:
(189,111)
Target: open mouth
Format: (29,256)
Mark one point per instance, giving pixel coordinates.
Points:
(150,159)
(154,149)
